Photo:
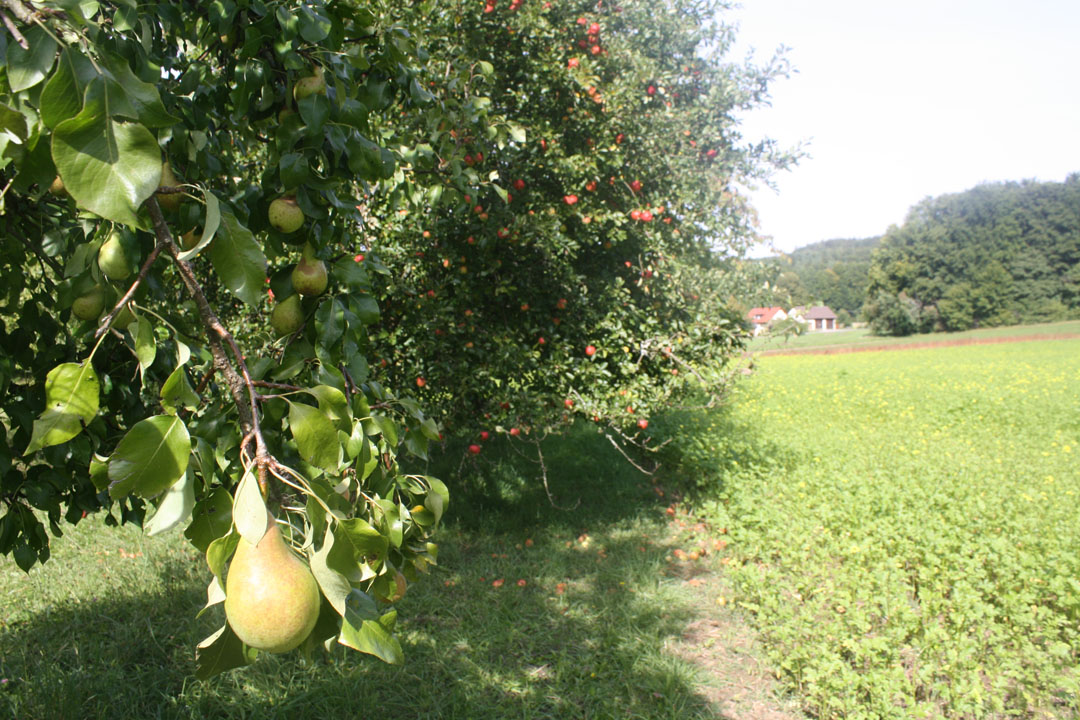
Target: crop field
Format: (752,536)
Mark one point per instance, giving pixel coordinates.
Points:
(861,337)
(905,526)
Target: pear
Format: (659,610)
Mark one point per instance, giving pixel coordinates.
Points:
(113,258)
(169,201)
(312,85)
(89,305)
(190,239)
(123,318)
(287,316)
(58,188)
(309,276)
(285,215)
(271,598)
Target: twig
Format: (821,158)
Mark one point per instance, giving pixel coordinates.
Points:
(14,31)
(543,475)
(107,322)
(628,458)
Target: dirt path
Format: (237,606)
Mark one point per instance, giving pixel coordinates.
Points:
(842,349)
(738,681)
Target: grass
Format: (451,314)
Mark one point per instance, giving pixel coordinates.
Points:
(904,526)
(861,337)
(533,613)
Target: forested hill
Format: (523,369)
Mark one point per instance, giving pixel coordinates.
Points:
(997,254)
(830,272)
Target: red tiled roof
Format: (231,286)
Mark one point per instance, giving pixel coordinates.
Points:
(762,315)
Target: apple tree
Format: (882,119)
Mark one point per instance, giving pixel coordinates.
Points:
(185,325)
(579,259)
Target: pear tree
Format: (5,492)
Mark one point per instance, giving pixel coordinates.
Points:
(169,353)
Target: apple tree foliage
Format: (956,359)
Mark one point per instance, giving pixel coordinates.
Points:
(578,260)
(159,392)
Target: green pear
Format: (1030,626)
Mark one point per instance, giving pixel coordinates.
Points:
(113,258)
(190,239)
(285,215)
(311,85)
(169,201)
(89,305)
(309,276)
(288,316)
(123,318)
(271,598)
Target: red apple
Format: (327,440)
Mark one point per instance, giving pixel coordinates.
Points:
(590,350)
(514,432)
(474,449)
(619,138)
(636,186)
(572,63)
(359,258)
(568,403)
(420,382)
(635,214)
(646,216)
(484,435)
(519,184)
(643,423)
(651,90)
(594,29)
(569,199)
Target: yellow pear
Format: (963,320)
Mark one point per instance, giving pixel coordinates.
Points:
(309,276)
(287,316)
(113,258)
(271,598)
(285,215)
(169,201)
(314,84)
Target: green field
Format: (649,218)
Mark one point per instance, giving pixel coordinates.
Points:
(861,337)
(533,613)
(905,527)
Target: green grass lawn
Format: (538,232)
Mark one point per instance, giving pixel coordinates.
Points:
(861,337)
(533,613)
(906,526)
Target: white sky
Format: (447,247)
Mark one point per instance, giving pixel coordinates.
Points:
(903,100)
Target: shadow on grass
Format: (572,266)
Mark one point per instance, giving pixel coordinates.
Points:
(534,613)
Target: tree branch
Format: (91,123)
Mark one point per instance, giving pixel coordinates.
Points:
(240,384)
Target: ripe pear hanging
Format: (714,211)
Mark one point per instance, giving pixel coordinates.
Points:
(271,598)
(309,276)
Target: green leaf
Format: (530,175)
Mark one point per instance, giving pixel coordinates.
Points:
(150,458)
(335,586)
(365,307)
(12,121)
(210,225)
(145,344)
(416,442)
(71,400)
(63,94)
(249,510)
(315,435)
(26,68)
(133,98)
(175,507)
(177,391)
(372,637)
(220,652)
(109,167)
(438,498)
(362,538)
(239,260)
(333,402)
(211,519)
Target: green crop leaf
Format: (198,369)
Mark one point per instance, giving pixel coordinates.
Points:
(71,399)
(239,260)
(220,652)
(176,391)
(109,167)
(315,435)
(26,68)
(150,458)
(175,507)
(145,344)
(135,99)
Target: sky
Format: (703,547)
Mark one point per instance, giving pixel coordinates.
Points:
(898,101)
